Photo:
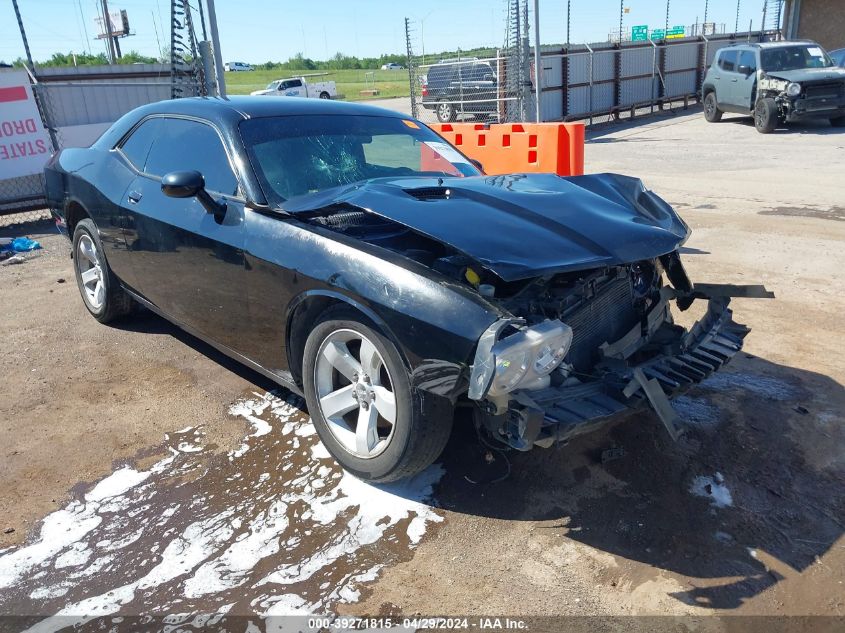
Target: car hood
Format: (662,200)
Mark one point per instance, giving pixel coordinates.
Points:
(521,226)
(809,74)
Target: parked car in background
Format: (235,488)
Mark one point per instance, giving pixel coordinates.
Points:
(298,87)
(326,245)
(456,87)
(775,82)
(236,67)
(392,66)
(838,57)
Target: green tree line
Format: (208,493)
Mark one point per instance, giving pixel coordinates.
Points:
(339,61)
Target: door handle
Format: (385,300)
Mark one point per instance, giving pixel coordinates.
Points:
(134,196)
(734,81)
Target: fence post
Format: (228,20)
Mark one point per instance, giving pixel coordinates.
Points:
(617,78)
(702,67)
(589,48)
(564,82)
(653,96)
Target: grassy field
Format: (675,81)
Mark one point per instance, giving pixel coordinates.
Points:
(389,83)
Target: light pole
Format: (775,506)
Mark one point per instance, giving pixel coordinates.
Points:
(422,34)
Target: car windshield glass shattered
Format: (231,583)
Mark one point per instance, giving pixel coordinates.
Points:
(298,155)
(794,58)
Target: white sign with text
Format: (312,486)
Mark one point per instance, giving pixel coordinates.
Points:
(24,143)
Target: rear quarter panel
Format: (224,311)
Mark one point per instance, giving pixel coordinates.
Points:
(96,181)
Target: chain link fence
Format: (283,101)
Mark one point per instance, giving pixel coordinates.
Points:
(76,105)
(596,83)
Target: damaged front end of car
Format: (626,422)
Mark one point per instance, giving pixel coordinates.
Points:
(580,273)
(586,348)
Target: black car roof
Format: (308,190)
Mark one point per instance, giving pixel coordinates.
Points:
(247,107)
(230,111)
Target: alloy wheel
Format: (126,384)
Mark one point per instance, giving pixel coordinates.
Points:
(91,272)
(355,393)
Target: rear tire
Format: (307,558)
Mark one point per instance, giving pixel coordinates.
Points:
(325,95)
(766,115)
(100,289)
(712,113)
(348,362)
(838,121)
(446,112)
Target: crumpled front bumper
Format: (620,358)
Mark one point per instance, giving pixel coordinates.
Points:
(556,414)
(820,108)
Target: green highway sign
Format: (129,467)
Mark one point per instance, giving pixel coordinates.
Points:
(676,32)
(658,34)
(639,33)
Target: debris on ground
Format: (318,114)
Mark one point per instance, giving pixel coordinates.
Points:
(713,488)
(20,245)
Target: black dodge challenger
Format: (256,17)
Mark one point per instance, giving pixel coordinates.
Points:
(352,255)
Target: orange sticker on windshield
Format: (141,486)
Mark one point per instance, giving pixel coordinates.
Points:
(411,124)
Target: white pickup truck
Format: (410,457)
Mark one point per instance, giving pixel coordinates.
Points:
(299,87)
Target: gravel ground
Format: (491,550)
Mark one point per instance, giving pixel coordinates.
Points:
(214,496)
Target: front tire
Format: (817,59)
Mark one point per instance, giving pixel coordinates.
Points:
(446,112)
(838,121)
(360,399)
(712,113)
(101,292)
(766,115)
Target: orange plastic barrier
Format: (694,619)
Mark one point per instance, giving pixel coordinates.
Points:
(507,148)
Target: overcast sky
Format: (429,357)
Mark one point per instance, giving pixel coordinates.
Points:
(273,30)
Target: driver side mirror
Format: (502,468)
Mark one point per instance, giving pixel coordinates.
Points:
(745,70)
(190,184)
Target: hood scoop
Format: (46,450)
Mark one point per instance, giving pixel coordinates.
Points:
(430,193)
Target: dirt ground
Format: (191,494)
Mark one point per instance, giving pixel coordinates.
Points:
(234,508)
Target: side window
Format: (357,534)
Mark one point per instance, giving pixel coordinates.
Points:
(296,83)
(727,61)
(747,58)
(137,147)
(185,145)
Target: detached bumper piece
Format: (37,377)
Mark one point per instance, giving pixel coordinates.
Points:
(623,385)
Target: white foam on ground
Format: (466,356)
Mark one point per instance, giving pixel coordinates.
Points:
(376,509)
(718,494)
(217,554)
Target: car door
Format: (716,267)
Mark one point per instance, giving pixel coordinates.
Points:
(293,88)
(186,261)
(746,84)
(726,88)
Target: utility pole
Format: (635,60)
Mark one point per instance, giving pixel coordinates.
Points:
(667,18)
(113,56)
(538,67)
(218,56)
(736,25)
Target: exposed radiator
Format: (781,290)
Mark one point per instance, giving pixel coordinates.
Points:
(604,318)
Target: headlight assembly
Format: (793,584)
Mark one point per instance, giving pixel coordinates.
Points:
(793,89)
(529,354)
